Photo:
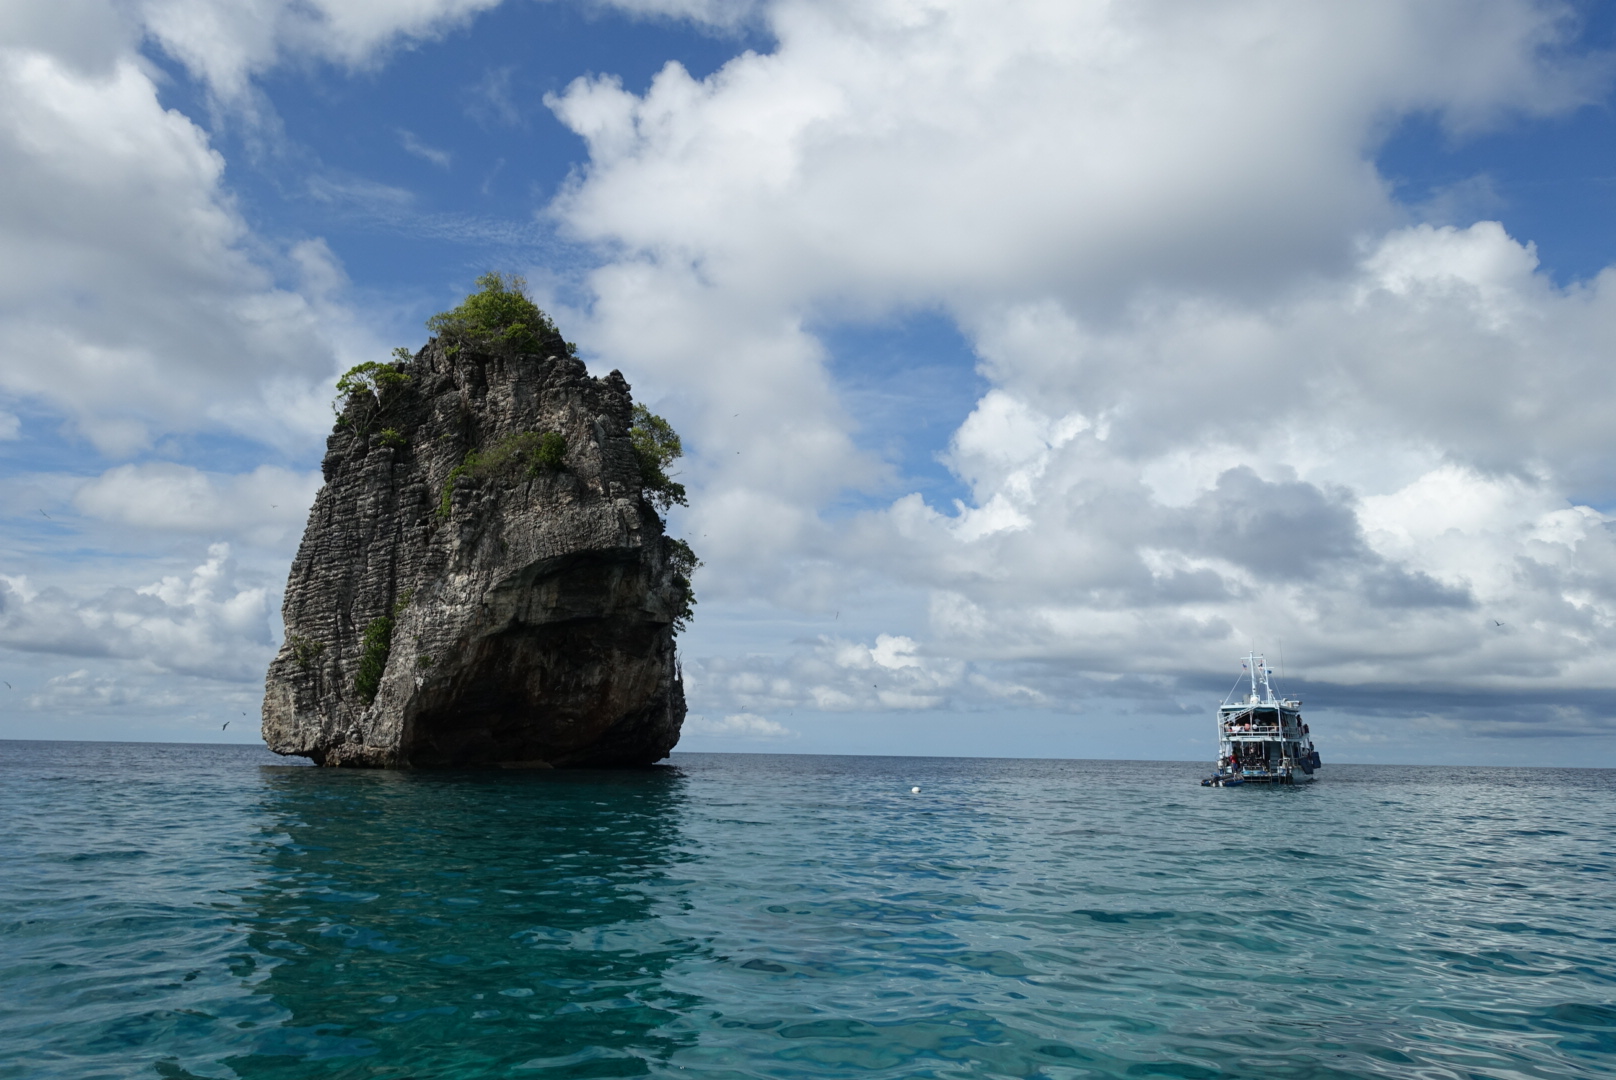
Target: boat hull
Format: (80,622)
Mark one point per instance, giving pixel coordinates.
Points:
(1281,779)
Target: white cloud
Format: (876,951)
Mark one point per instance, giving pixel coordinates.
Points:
(135,300)
(114,699)
(1372,532)
(227,42)
(720,14)
(491,102)
(413,145)
(137,304)
(833,674)
(1065,158)
(738,726)
(1233,393)
(207,623)
(891,152)
(1222,365)
(83,691)
(265,506)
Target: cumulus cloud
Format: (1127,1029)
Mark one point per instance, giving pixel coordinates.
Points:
(1235,391)
(835,675)
(716,14)
(207,623)
(265,506)
(82,691)
(138,307)
(134,300)
(1069,160)
(1235,394)
(890,151)
(1279,474)
(738,726)
(227,42)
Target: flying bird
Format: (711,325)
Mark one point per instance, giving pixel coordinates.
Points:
(8,685)
(47,516)
(1497,623)
(224,725)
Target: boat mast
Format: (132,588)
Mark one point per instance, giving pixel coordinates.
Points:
(1251,664)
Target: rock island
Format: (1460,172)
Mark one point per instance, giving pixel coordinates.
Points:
(485,578)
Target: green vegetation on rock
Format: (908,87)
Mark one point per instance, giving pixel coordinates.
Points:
(684,563)
(499,311)
(372,377)
(551,451)
(305,651)
(656,446)
(373,382)
(373,660)
(528,452)
(377,646)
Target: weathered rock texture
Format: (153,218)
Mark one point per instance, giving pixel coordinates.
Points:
(531,624)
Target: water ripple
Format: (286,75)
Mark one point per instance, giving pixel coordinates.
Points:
(207,912)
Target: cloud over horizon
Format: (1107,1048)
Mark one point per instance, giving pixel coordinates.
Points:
(1229,386)
(1235,394)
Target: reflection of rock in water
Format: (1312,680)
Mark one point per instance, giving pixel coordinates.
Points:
(433,926)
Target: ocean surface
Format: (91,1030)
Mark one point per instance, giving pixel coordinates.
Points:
(208,911)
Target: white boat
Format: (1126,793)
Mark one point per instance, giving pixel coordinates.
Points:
(1262,739)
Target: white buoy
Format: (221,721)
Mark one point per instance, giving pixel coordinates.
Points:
(914,791)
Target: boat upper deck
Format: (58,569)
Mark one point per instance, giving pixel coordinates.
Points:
(1262,715)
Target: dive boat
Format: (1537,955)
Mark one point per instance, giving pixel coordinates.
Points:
(1262,739)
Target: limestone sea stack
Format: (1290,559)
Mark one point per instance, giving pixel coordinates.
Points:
(485,578)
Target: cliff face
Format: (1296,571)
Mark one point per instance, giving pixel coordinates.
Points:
(473,590)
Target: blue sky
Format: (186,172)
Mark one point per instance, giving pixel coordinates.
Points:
(1035,362)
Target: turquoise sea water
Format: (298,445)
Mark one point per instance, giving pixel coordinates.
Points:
(183,911)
